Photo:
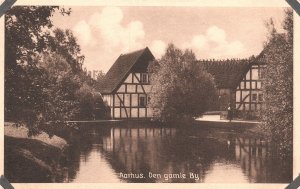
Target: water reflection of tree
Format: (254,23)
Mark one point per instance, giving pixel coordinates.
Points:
(80,147)
(160,151)
(166,150)
(188,151)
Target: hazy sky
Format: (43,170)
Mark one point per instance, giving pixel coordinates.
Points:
(105,32)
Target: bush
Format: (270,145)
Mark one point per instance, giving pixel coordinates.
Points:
(182,89)
(91,105)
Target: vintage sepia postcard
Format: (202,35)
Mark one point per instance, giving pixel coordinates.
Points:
(197,94)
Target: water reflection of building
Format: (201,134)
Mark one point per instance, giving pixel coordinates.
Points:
(138,150)
(252,155)
(161,150)
(205,152)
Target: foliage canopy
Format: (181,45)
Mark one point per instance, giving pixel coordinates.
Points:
(181,87)
(277,115)
(44,80)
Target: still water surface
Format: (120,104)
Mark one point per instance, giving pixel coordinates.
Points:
(116,154)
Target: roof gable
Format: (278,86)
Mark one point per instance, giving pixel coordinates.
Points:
(122,67)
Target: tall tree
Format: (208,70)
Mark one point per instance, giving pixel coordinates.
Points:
(99,80)
(25,37)
(64,43)
(43,70)
(277,115)
(58,87)
(181,87)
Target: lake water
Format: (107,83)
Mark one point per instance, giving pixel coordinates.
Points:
(152,154)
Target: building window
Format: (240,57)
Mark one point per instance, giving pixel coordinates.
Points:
(144,78)
(254,97)
(142,101)
(260,97)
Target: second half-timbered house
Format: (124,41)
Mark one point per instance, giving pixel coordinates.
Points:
(126,85)
(227,75)
(239,83)
(248,93)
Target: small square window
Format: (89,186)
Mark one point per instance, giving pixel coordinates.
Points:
(142,101)
(144,78)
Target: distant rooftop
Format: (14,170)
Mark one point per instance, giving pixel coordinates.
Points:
(227,73)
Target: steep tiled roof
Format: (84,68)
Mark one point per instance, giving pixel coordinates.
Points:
(227,73)
(120,69)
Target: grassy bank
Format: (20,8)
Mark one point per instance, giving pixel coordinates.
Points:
(32,159)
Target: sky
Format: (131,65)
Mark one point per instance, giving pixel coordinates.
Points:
(104,33)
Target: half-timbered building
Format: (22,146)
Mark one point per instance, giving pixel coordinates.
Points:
(239,83)
(126,85)
(248,93)
(227,75)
